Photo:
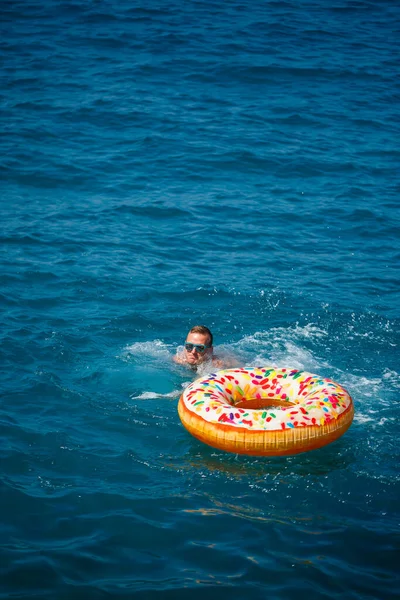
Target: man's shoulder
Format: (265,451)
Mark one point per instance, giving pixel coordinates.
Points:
(217,362)
(226,362)
(178,359)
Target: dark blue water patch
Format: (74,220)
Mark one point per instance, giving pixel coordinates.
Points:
(152,212)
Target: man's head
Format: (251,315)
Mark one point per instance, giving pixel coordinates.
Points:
(198,345)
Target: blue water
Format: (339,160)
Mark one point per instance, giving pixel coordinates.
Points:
(165,164)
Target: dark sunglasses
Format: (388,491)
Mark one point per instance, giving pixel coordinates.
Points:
(200,348)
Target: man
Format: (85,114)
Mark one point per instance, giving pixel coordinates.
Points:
(198,349)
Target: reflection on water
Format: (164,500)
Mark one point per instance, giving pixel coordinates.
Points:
(318,462)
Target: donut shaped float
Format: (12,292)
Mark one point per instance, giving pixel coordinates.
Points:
(265,411)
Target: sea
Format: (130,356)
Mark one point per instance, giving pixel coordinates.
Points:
(165,164)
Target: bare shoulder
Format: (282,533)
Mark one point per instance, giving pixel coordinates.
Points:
(217,362)
(226,362)
(178,358)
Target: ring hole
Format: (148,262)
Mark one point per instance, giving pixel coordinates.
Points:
(259,403)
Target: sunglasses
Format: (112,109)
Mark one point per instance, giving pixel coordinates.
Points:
(200,348)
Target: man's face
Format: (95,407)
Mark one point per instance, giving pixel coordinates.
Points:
(195,357)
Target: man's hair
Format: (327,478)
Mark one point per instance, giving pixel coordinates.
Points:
(203,330)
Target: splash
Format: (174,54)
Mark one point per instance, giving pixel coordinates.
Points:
(174,395)
(151,349)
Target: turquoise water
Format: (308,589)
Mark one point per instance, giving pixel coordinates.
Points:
(169,164)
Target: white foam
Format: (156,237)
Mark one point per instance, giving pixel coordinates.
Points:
(282,334)
(373,421)
(367,386)
(154,395)
(281,347)
(154,348)
(392,377)
(361,418)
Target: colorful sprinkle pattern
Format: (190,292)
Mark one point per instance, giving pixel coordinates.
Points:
(316,401)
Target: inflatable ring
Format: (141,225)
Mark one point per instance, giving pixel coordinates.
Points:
(265,411)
